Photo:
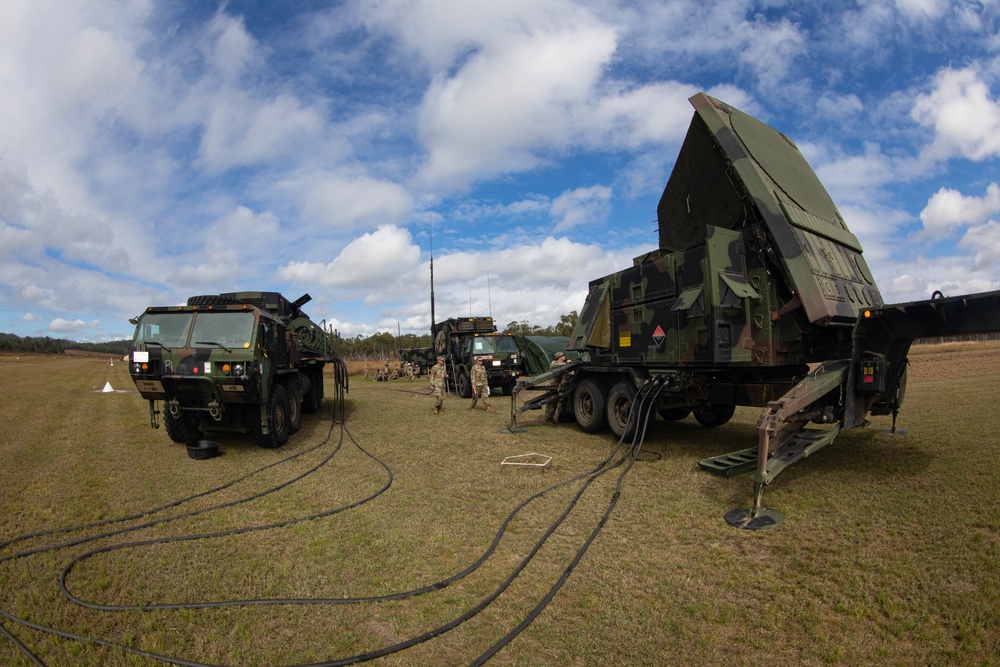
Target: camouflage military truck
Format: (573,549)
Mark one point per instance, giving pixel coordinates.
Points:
(245,362)
(757,280)
(461,340)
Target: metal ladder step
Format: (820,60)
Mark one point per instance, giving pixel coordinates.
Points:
(797,444)
(732,464)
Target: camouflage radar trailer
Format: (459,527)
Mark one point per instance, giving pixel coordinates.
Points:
(238,362)
(758,295)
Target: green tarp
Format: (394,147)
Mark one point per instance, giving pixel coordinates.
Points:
(537,351)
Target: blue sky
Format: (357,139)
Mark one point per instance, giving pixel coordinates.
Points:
(152,150)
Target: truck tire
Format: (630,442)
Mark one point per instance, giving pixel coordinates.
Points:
(711,414)
(620,400)
(277,418)
(588,406)
(181,430)
(294,407)
(313,400)
(464,386)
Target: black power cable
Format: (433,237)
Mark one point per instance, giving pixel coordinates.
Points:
(589,476)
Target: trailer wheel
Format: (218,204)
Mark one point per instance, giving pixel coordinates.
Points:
(620,400)
(464,386)
(588,406)
(712,414)
(294,407)
(277,417)
(673,414)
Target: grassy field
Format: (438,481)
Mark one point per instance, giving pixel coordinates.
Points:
(890,553)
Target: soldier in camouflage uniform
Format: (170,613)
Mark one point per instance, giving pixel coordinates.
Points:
(480,384)
(439,378)
(554,409)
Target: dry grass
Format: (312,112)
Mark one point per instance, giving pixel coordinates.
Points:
(890,553)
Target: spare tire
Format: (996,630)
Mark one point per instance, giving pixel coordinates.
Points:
(213,300)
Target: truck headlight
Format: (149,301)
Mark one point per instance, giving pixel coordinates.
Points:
(238,370)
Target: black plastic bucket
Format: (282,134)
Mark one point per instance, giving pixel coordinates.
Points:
(203,449)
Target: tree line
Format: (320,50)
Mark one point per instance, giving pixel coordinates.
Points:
(44,345)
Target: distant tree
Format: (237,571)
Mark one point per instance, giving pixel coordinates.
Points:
(563,328)
(522,328)
(566,325)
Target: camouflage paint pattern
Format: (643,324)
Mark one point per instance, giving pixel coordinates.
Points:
(756,272)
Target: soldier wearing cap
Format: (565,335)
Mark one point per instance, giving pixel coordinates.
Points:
(439,379)
(480,385)
(552,410)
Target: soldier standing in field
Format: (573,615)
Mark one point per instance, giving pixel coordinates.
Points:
(439,379)
(480,384)
(552,410)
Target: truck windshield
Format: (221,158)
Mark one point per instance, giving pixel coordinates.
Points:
(227,330)
(494,345)
(164,329)
(506,345)
(482,345)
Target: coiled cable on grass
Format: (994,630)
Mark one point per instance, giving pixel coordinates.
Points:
(641,411)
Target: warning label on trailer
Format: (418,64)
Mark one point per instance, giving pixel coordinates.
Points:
(658,336)
(624,339)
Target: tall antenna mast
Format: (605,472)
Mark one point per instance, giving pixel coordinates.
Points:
(433,324)
(489,294)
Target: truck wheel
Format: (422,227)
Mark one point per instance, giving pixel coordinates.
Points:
(712,415)
(588,406)
(464,386)
(294,407)
(673,414)
(277,417)
(620,400)
(181,430)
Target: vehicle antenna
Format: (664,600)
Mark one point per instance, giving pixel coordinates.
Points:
(489,294)
(433,325)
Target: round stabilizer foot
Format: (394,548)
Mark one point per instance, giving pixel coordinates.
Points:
(766,518)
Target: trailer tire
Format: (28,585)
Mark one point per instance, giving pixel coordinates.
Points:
(464,385)
(620,400)
(588,406)
(294,407)
(712,414)
(673,414)
(277,417)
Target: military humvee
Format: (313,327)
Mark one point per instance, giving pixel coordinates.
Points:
(246,362)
